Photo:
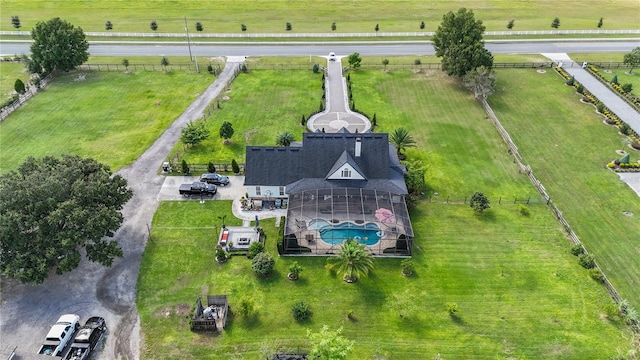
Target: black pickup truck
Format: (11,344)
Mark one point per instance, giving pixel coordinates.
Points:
(198,188)
(86,339)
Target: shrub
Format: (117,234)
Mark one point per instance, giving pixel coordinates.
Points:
(577,250)
(417,62)
(452,308)
(350,315)
(571,80)
(288,26)
(294,270)
(19,87)
(210,167)
(614,80)
(510,24)
(210,69)
(254,249)
(596,275)
(185,167)
(301,311)
(407,267)
(243,68)
(587,261)
(611,165)
(625,129)
(235,167)
(523,210)
(600,107)
(316,68)
(221,255)
(246,307)
(262,264)
(627,88)
(479,202)
(580,89)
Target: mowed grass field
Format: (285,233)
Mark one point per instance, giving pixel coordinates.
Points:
(262,16)
(568,146)
(511,275)
(260,105)
(520,293)
(110,116)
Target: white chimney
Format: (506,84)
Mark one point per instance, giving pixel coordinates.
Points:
(358,146)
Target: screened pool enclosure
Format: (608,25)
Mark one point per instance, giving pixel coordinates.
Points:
(319,221)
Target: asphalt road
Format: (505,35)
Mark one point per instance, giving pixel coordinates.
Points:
(279,49)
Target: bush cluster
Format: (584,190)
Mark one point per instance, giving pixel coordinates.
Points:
(620,89)
(301,311)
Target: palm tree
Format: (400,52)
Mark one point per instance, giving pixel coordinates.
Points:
(402,140)
(354,261)
(284,138)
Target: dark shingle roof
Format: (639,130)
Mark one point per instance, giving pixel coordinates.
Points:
(277,166)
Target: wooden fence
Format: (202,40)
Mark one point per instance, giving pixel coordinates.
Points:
(32,90)
(573,237)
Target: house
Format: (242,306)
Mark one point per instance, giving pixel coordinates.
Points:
(336,186)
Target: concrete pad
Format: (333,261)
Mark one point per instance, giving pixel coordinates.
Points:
(631,179)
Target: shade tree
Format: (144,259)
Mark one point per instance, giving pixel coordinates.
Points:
(48,225)
(458,42)
(57,45)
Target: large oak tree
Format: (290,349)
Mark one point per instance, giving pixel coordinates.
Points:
(458,41)
(51,208)
(57,45)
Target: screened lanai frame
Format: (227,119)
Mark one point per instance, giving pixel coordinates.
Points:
(318,221)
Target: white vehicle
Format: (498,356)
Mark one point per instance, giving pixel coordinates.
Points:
(332,56)
(60,334)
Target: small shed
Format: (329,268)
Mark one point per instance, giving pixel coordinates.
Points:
(213,316)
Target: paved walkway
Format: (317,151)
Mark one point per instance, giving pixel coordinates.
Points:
(337,114)
(624,111)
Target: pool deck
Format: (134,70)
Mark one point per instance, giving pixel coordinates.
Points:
(309,236)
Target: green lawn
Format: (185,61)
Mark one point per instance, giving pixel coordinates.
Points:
(568,146)
(262,103)
(110,116)
(512,277)
(9,72)
(262,16)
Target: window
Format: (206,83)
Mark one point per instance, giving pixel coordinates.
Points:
(281,190)
(258,193)
(346,173)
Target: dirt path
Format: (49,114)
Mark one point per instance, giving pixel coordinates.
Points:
(26,312)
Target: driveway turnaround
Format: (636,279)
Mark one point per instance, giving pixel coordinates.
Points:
(28,311)
(337,114)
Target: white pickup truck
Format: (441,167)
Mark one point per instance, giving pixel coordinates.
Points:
(60,334)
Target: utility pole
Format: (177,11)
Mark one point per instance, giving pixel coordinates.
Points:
(186,29)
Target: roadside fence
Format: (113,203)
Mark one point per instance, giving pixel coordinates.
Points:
(249,35)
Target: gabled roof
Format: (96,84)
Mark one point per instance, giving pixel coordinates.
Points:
(321,153)
(344,159)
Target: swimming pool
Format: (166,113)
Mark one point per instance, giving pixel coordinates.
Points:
(367,234)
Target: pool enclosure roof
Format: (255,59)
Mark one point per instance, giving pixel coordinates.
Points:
(355,205)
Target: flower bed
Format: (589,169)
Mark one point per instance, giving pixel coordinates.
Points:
(596,72)
(612,118)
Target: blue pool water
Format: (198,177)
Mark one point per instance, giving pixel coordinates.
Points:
(367,234)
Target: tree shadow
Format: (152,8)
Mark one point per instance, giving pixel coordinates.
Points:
(457,319)
(487,215)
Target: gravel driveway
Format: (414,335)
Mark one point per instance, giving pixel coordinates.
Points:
(27,312)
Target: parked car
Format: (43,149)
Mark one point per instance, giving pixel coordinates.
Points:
(332,56)
(59,335)
(215,179)
(197,188)
(87,338)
